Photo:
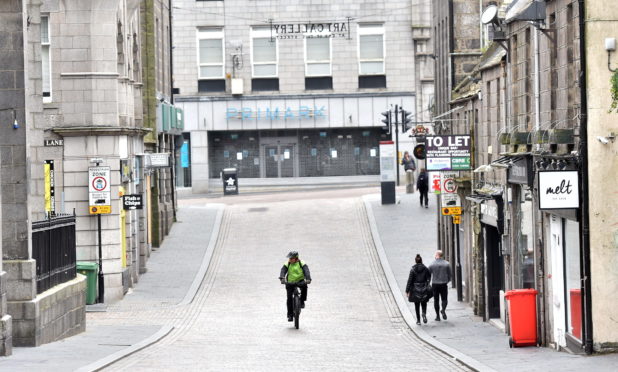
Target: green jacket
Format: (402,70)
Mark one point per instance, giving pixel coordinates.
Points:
(295,272)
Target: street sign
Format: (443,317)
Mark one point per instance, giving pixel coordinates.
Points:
(449,197)
(133,201)
(451,211)
(457,220)
(159,160)
(99,190)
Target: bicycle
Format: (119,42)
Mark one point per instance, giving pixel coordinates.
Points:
(296,302)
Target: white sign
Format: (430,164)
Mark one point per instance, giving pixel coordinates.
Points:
(160,159)
(449,197)
(438,163)
(387,162)
(99,189)
(558,190)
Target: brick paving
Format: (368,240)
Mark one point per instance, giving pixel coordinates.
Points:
(237,319)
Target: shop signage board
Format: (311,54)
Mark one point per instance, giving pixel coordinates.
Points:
(447,152)
(520,171)
(159,160)
(99,190)
(558,190)
(307,30)
(133,201)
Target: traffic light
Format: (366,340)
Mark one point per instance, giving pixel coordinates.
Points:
(419,151)
(406,120)
(387,118)
(387,122)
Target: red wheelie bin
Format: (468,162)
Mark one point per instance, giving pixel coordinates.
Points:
(522,315)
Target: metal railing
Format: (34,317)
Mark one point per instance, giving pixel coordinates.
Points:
(53,248)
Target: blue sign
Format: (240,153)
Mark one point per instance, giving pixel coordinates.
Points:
(303,112)
(184,155)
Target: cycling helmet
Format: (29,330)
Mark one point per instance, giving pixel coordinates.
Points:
(293,254)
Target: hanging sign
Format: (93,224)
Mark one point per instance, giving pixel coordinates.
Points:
(448,152)
(133,201)
(558,190)
(99,190)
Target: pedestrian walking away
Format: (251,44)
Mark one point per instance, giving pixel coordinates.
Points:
(422,185)
(409,166)
(440,276)
(418,289)
(293,272)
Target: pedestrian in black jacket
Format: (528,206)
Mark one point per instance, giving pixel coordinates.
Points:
(417,289)
(422,185)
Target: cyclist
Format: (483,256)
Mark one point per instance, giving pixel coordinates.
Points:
(295,271)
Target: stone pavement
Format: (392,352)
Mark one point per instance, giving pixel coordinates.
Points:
(237,320)
(125,325)
(406,229)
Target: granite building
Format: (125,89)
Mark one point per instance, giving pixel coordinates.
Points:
(295,89)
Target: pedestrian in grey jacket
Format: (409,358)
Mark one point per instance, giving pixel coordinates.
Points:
(440,276)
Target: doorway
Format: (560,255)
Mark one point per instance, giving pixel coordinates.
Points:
(494,268)
(279,156)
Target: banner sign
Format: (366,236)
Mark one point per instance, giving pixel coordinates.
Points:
(50,198)
(558,190)
(448,152)
(99,190)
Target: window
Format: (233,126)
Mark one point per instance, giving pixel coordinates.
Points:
(45,58)
(263,53)
(317,56)
(371,49)
(211,57)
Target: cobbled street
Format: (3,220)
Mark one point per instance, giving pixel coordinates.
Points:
(237,320)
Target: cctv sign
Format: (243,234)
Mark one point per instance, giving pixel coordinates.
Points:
(99,190)
(448,152)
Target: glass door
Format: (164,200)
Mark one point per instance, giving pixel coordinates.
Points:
(271,161)
(286,160)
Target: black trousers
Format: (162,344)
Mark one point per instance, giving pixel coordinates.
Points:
(424,195)
(303,296)
(416,309)
(440,291)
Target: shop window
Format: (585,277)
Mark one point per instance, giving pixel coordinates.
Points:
(46,59)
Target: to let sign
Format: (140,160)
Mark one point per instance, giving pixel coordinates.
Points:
(133,201)
(558,190)
(448,152)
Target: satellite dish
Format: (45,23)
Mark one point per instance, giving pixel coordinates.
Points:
(489,14)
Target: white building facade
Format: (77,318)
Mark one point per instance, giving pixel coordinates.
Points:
(293,89)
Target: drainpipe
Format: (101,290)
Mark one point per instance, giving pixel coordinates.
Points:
(583,211)
(537,98)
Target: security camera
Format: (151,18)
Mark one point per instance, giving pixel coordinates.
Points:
(603,140)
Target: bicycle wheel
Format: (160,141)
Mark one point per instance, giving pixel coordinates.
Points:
(296,312)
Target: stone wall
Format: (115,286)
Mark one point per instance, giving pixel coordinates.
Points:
(55,314)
